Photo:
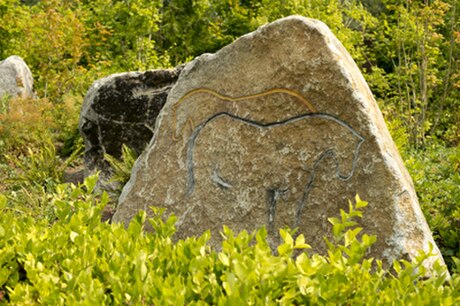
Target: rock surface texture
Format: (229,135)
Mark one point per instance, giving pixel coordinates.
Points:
(122,109)
(277,129)
(15,78)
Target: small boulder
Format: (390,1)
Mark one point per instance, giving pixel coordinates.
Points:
(15,78)
(122,109)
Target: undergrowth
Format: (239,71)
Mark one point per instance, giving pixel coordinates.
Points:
(79,260)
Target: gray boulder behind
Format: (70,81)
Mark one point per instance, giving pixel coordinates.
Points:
(122,109)
(15,78)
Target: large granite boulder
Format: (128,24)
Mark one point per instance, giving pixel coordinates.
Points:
(122,109)
(277,129)
(15,78)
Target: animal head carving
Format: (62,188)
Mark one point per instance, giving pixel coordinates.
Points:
(346,146)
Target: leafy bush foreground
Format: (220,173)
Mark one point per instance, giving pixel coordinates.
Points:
(77,259)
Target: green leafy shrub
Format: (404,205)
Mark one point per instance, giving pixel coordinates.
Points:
(80,260)
(436,174)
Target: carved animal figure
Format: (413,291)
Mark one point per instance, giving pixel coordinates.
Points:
(234,156)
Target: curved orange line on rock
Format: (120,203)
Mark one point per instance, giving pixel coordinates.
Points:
(292,93)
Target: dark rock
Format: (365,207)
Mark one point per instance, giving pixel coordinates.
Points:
(122,109)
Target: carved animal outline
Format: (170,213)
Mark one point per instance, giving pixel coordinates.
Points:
(353,138)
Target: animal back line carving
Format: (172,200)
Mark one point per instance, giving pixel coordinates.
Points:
(292,93)
(353,140)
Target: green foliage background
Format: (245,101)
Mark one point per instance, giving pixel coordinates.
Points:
(408,51)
